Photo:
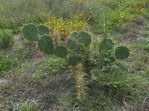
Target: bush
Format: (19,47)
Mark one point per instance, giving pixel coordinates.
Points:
(6,38)
(64,27)
(7,60)
(5,64)
(7,23)
(119,83)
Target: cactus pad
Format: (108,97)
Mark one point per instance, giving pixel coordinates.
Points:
(74,59)
(30,32)
(122,52)
(45,44)
(74,46)
(84,38)
(42,29)
(61,51)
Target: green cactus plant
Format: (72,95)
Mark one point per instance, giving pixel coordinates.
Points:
(61,51)
(42,29)
(74,59)
(45,44)
(76,51)
(74,46)
(108,53)
(30,32)
(84,38)
(122,52)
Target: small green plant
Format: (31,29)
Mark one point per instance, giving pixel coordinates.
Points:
(6,61)
(28,106)
(6,38)
(6,23)
(5,64)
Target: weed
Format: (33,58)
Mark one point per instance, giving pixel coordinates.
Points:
(28,106)
(6,38)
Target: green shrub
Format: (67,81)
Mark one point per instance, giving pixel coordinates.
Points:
(116,19)
(139,19)
(17,30)
(119,83)
(6,38)
(7,23)
(7,60)
(4,64)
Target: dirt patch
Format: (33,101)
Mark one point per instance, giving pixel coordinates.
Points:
(3,81)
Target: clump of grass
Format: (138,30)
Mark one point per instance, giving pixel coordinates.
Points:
(7,61)
(118,83)
(51,65)
(6,38)
(28,106)
(143,43)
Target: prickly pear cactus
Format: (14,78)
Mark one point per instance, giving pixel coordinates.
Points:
(42,29)
(74,46)
(76,51)
(74,59)
(73,51)
(78,44)
(45,44)
(108,53)
(61,51)
(84,38)
(30,32)
(122,52)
